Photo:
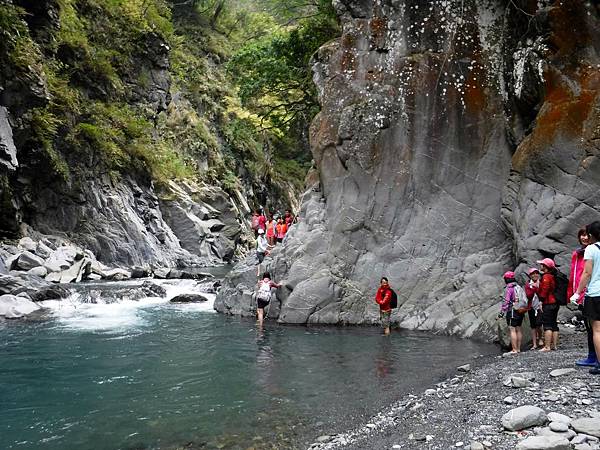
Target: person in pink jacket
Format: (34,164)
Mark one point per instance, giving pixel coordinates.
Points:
(577,265)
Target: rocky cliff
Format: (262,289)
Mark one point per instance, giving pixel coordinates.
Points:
(457,139)
(105,141)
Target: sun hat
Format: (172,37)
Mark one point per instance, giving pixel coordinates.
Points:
(532,270)
(261,231)
(508,275)
(548,262)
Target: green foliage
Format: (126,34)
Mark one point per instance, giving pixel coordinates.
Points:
(273,72)
(15,40)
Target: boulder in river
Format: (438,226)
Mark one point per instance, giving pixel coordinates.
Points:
(189,298)
(151,289)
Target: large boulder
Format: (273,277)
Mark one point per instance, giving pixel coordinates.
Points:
(28,261)
(544,443)
(448,147)
(523,417)
(585,425)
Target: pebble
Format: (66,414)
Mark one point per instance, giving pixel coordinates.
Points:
(459,444)
(464,368)
(476,445)
(509,400)
(396,446)
(586,401)
(487,443)
(561,372)
(324,438)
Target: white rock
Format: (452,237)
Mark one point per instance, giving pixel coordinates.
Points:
(583,446)
(523,417)
(40,271)
(430,392)
(589,426)
(396,446)
(43,250)
(62,258)
(562,372)
(13,307)
(586,401)
(487,443)
(459,444)
(477,445)
(544,443)
(464,368)
(116,274)
(559,427)
(557,417)
(509,400)
(26,243)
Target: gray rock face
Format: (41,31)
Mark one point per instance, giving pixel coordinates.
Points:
(523,417)
(445,153)
(8,151)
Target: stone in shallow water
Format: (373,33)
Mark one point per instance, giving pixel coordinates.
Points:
(189,298)
(523,417)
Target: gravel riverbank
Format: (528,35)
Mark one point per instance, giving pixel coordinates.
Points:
(466,411)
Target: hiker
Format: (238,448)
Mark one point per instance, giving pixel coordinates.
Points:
(384,299)
(270,227)
(281,229)
(514,318)
(262,221)
(261,249)
(535,308)
(590,284)
(577,266)
(288,218)
(263,295)
(549,305)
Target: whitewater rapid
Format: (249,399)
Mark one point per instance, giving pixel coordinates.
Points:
(75,314)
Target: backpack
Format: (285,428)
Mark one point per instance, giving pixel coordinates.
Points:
(264,291)
(394,299)
(560,291)
(520,300)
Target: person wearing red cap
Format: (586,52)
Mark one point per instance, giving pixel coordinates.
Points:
(534,308)
(549,305)
(514,319)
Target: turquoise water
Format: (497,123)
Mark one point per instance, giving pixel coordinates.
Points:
(152,375)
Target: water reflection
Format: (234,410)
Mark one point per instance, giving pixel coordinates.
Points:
(384,358)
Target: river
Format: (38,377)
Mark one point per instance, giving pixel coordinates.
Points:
(149,374)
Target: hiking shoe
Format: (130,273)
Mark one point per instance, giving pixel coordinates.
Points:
(595,370)
(590,361)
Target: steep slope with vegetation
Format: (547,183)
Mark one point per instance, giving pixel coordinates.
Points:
(133,128)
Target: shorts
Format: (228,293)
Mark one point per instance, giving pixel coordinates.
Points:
(261,304)
(535,320)
(385,317)
(550,317)
(514,319)
(260,256)
(591,308)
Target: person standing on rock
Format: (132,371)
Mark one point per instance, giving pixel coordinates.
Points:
(261,249)
(262,221)
(535,308)
(590,284)
(549,305)
(254,223)
(384,299)
(263,295)
(270,226)
(514,319)
(577,266)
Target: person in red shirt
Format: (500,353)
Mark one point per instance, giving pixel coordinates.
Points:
(262,221)
(534,311)
(549,305)
(383,298)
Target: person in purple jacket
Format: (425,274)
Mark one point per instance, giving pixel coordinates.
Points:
(514,319)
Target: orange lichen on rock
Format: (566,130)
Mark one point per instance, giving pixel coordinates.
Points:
(562,114)
(475,93)
(569,30)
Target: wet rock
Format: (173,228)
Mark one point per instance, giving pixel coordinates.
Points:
(116,274)
(51,292)
(189,298)
(523,417)
(13,307)
(139,272)
(151,289)
(161,273)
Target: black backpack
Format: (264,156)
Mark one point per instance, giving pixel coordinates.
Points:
(394,300)
(560,292)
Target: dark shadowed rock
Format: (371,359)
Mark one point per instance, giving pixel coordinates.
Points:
(49,293)
(189,298)
(151,289)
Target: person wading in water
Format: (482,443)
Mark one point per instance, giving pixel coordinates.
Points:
(384,299)
(263,295)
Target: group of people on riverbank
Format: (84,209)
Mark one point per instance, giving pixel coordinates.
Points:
(544,292)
